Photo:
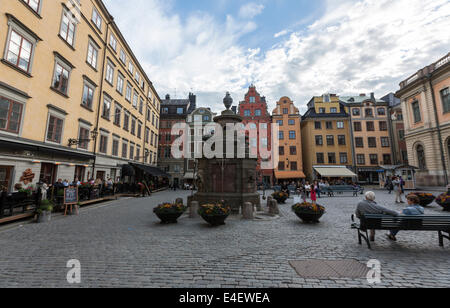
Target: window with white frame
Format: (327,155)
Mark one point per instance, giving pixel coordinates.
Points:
(83,136)
(10,115)
(88,94)
(61,77)
(103,147)
(137,76)
(135,99)
(132,145)
(106,108)
(113,42)
(92,54)
(124,148)
(109,73)
(120,82)
(123,56)
(141,105)
(35,5)
(115,147)
(117,114)
(97,19)
(131,67)
(55,127)
(129,92)
(20,47)
(68,27)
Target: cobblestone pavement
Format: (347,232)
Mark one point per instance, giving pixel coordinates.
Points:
(122,244)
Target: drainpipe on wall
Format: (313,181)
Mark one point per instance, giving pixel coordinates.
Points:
(438,127)
(105,47)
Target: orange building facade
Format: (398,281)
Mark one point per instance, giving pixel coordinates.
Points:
(287,116)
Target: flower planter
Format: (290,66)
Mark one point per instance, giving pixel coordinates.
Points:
(215,220)
(169,213)
(425,199)
(444,201)
(45,216)
(281,197)
(309,217)
(308,212)
(168,218)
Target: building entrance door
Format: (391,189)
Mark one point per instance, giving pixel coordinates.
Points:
(101,175)
(48,173)
(5,177)
(79,173)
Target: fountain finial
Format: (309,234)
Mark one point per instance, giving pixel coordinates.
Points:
(228,101)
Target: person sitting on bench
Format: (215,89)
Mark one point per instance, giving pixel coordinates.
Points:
(369,206)
(413,209)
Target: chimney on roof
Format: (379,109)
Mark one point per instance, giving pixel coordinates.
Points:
(362,94)
(167,96)
(372,96)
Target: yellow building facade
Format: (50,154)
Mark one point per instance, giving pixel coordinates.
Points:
(74,100)
(371,139)
(287,116)
(326,137)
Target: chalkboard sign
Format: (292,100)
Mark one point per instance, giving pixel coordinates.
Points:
(70,196)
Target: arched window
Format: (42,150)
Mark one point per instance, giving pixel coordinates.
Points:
(421,157)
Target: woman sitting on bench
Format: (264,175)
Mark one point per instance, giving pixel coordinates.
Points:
(413,209)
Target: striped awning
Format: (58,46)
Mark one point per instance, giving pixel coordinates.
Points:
(334,171)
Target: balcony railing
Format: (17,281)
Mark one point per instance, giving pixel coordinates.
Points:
(426,70)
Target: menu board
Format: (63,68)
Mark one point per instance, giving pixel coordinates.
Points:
(70,196)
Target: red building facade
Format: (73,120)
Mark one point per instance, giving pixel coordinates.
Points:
(254,110)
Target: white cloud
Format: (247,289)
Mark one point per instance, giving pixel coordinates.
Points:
(250,10)
(367,46)
(281,33)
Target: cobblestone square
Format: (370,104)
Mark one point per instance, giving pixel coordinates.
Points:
(122,244)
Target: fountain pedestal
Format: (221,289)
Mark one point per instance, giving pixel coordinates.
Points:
(230,179)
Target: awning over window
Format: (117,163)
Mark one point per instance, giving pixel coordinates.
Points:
(283,175)
(189,176)
(151,170)
(334,171)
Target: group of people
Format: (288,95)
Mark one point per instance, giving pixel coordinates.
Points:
(312,190)
(396,184)
(61,184)
(369,206)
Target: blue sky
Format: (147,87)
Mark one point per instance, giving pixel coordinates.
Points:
(294,48)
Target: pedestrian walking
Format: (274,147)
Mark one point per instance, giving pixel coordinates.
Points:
(397,190)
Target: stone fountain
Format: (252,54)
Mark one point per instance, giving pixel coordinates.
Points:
(232,180)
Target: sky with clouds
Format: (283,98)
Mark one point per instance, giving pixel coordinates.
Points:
(295,48)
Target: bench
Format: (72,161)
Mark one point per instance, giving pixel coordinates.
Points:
(331,190)
(441,224)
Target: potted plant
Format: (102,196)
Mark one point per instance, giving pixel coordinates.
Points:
(280,196)
(214,214)
(425,199)
(169,213)
(45,211)
(444,201)
(308,212)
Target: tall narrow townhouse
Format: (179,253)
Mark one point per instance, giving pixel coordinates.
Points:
(327,140)
(372,147)
(54,82)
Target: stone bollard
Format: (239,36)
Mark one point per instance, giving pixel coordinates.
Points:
(193,209)
(258,207)
(269,199)
(273,208)
(248,211)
